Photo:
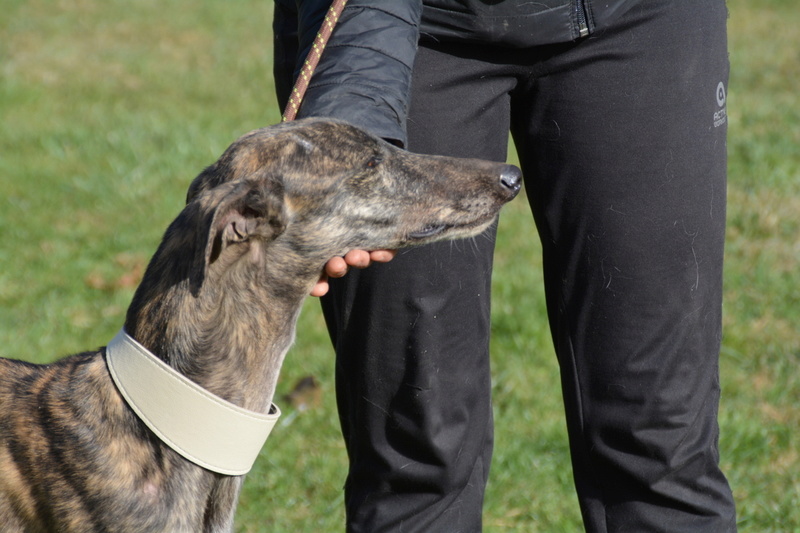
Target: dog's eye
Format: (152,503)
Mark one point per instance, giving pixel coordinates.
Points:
(374,162)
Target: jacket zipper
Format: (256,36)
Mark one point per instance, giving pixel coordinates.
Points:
(583,26)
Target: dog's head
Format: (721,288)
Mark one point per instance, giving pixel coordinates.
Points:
(344,188)
(283,200)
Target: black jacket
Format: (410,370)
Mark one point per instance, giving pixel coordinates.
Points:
(364,75)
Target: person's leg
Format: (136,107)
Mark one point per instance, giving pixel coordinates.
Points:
(623,149)
(412,338)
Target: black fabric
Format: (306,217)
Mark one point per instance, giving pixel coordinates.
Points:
(513,24)
(625,166)
(285,45)
(623,153)
(364,74)
(412,344)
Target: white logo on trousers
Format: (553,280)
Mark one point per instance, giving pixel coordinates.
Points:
(721,115)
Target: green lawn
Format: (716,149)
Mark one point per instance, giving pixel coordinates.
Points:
(108,109)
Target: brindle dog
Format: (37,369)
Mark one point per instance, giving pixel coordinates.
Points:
(219,303)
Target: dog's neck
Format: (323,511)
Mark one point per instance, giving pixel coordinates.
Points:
(231,337)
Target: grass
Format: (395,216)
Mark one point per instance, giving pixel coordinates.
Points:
(110,108)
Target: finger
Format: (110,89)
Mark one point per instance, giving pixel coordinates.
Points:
(321,288)
(382,256)
(336,267)
(357,258)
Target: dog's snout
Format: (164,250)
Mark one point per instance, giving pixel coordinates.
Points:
(511,178)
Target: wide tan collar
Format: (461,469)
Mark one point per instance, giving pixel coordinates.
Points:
(202,427)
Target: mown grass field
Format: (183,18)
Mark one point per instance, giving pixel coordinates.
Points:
(109,108)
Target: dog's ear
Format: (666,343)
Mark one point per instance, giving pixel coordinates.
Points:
(244,211)
(209,178)
(243,159)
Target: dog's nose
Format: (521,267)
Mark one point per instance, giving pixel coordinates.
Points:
(511,178)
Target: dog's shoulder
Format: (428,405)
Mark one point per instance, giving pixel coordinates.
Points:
(13,370)
(17,375)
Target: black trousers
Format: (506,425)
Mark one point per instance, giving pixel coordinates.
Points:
(621,138)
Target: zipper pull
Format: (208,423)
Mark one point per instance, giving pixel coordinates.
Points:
(580,11)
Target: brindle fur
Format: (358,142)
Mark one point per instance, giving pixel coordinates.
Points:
(219,302)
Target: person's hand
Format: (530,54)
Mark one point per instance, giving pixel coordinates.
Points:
(338,266)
